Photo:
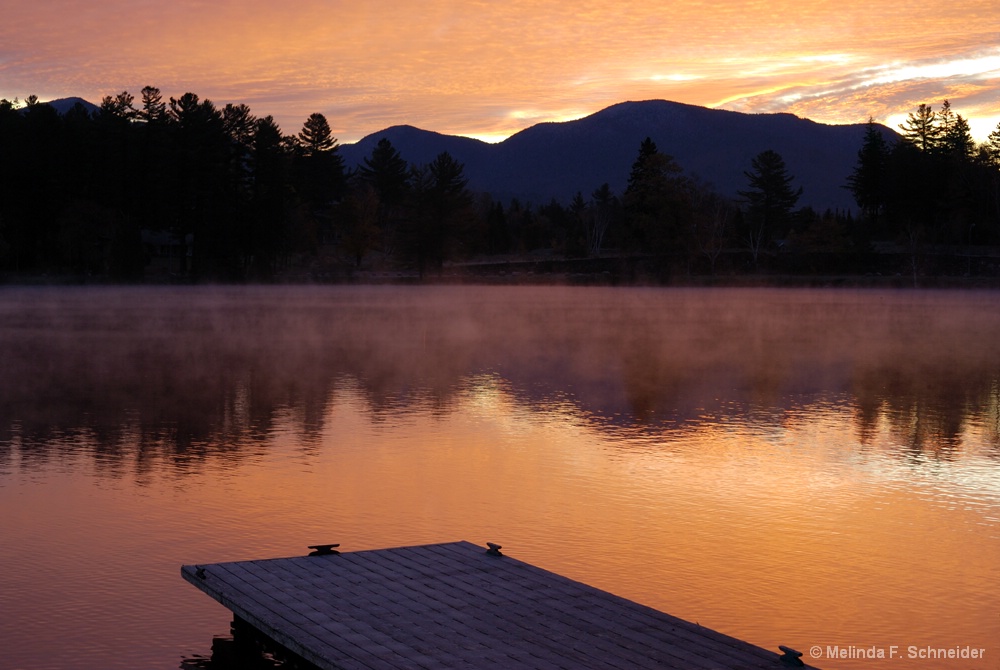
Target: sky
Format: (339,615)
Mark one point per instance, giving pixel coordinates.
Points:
(489,68)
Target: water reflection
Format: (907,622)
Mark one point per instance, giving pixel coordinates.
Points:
(245,649)
(799,467)
(187,375)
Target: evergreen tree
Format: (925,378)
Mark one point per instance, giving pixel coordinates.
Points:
(239,124)
(868,182)
(388,175)
(449,179)
(316,136)
(957,140)
(657,201)
(263,240)
(921,129)
(241,127)
(154,110)
(770,200)
(647,167)
(440,209)
(945,119)
(320,167)
(119,107)
(153,193)
(993,145)
(202,205)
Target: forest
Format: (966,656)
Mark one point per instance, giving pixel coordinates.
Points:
(181,190)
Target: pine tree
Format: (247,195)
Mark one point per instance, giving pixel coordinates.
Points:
(316,136)
(770,200)
(868,182)
(264,238)
(992,146)
(647,168)
(657,201)
(239,124)
(320,168)
(153,109)
(388,175)
(387,172)
(440,208)
(119,106)
(957,140)
(921,128)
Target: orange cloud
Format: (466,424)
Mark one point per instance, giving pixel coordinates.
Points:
(475,68)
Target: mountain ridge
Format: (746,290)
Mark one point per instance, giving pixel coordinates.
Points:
(558,159)
(64,105)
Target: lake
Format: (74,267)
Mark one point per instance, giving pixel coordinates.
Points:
(814,468)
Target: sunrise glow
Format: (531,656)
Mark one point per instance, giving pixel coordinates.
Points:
(488,70)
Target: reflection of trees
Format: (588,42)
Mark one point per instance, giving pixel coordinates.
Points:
(186,377)
(927,406)
(196,379)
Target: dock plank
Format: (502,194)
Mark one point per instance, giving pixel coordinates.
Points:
(452,605)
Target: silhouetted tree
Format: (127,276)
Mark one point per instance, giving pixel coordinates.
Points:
(320,166)
(388,174)
(770,200)
(911,206)
(316,137)
(657,201)
(992,146)
(239,124)
(869,181)
(440,208)
(957,140)
(921,128)
(79,190)
(120,106)
(202,207)
(154,110)
(990,180)
(38,185)
(241,127)
(265,237)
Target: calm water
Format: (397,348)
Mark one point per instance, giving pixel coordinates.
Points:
(811,468)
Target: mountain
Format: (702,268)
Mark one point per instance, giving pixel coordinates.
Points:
(556,160)
(63,105)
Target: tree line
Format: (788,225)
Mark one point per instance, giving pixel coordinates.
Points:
(237,199)
(936,186)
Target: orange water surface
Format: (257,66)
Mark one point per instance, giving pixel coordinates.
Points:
(819,469)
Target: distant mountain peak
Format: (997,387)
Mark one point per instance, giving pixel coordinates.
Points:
(63,105)
(558,159)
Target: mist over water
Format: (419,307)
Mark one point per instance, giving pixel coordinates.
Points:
(789,466)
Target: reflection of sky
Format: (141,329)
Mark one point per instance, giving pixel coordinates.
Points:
(489,69)
(787,530)
(775,524)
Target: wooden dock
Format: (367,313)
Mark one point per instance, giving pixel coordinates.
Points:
(457,605)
